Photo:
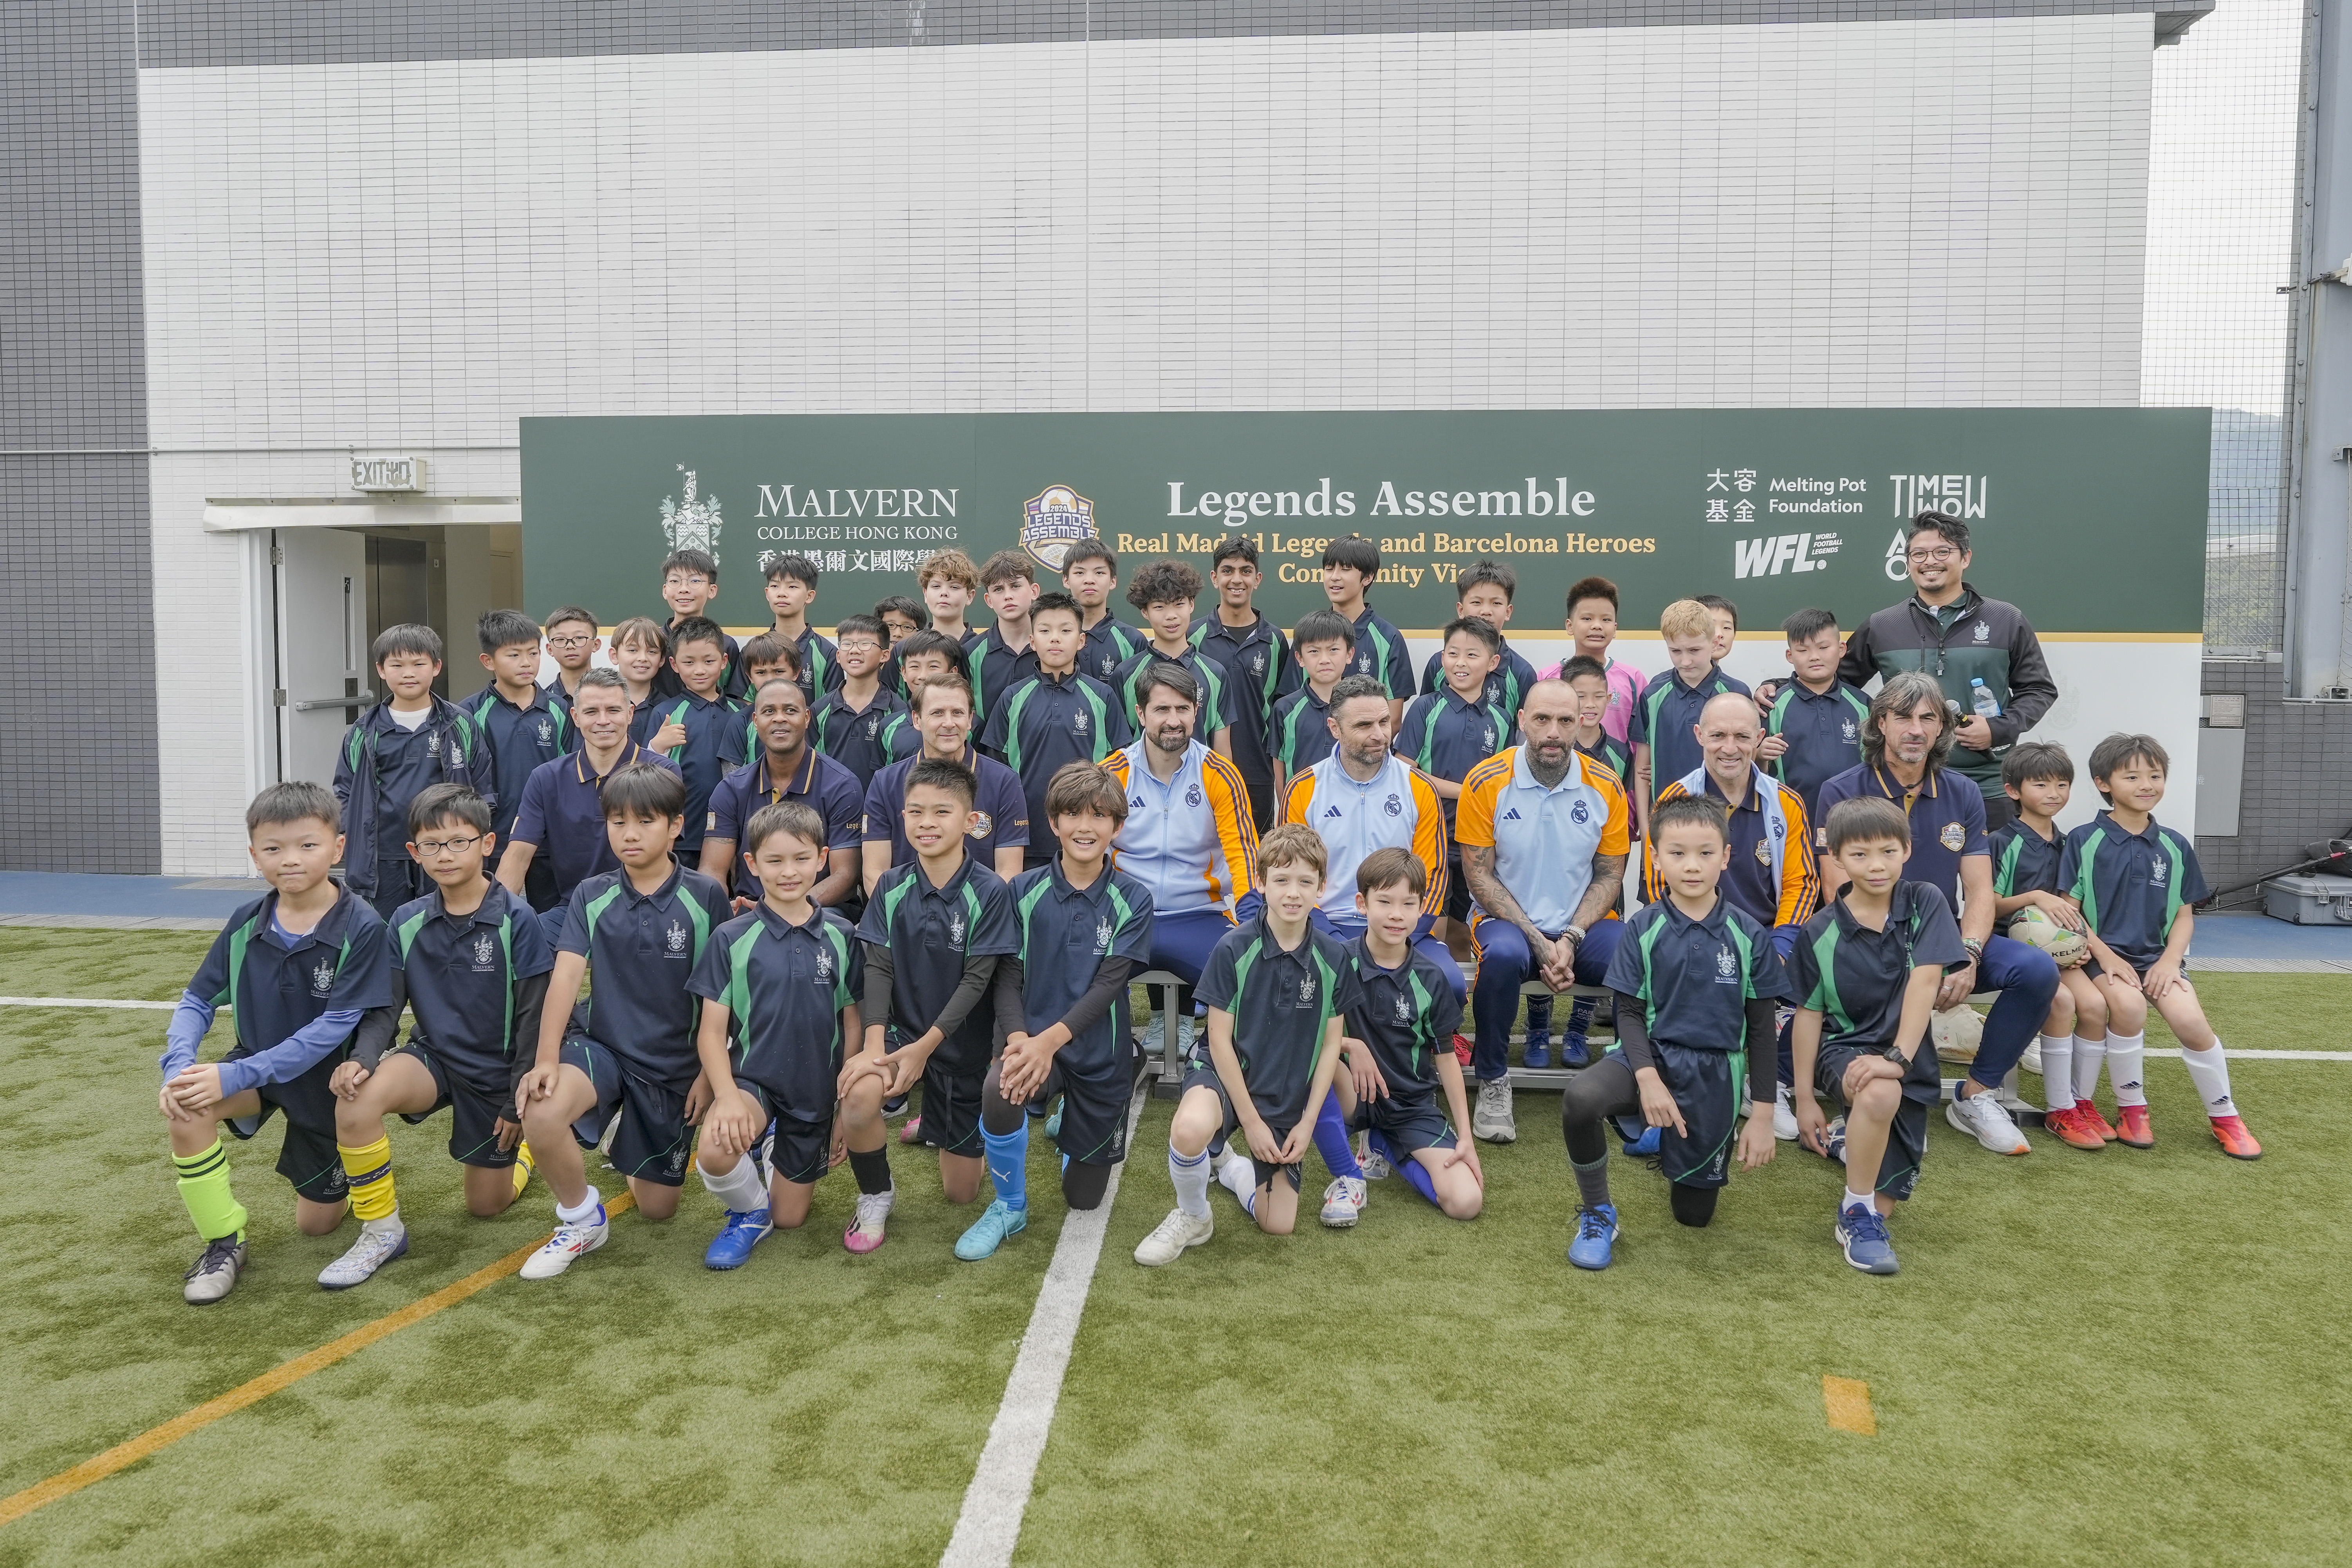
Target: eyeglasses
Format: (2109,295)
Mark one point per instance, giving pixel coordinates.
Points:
(569,642)
(1923,557)
(429,847)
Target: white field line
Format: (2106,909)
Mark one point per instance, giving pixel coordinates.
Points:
(989,1525)
(88,1001)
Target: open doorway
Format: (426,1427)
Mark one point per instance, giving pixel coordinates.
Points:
(445,577)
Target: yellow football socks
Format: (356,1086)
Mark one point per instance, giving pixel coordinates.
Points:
(204,1187)
(524,1166)
(370,1170)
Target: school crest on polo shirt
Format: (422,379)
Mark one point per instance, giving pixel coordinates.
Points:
(322,978)
(433,744)
(824,964)
(1102,936)
(1078,725)
(873,726)
(1726,966)
(1846,732)
(1403,1009)
(1952,837)
(484,949)
(1305,992)
(546,732)
(955,930)
(1257,663)
(676,938)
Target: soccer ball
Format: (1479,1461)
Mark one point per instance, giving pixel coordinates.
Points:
(1957,1032)
(2036,929)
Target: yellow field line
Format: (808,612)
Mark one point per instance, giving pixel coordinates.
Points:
(122,1456)
(1847,1400)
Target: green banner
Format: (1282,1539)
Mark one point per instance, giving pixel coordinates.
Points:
(2093,521)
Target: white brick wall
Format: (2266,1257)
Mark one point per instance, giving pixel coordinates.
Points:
(408,256)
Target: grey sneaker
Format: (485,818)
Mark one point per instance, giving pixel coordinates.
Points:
(1155,1035)
(371,1251)
(1491,1119)
(1375,1163)
(1343,1202)
(1168,1239)
(1981,1118)
(214,1275)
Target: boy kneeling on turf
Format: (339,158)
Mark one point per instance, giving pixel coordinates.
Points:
(1062,1009)
(298,967)
(2135,881)
(472,960)
(779,987)
(1400,1045)
(1696,981)
(640,931)
(1276,989)
(1865,973)
(933,932)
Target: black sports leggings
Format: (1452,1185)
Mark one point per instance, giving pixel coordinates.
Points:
(1607,1088)
(1082,1185)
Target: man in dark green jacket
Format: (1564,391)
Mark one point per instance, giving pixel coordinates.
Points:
(1948,630)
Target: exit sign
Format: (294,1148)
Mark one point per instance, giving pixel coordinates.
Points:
(387,473)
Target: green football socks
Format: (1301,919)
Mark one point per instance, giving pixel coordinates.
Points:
(204,1187)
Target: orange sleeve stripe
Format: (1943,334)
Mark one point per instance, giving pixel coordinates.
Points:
(1429,843)
(1302,790)
(1229,802)
(1474,814)
(1800,874)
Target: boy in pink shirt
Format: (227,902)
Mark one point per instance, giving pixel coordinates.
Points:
(1592,622)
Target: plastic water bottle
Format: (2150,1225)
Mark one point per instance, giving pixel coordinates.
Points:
(1982,699)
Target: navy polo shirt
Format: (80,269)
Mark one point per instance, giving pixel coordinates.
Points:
(2023,861)
(1697,977)
(713,748)
(641,949)
(1259,671)
(2131,885)
(522,739)
(1302,730)
(1047,721)
(343,963)
(1445,737)
(1407,1014)
(864,739)
(820,665)
(1824,734)
(1210,714)
(996,668)
(785,986)
(1615,755)
(1507,683)
(1947,815)
(1280,1003)
(1066,933)
(1381,653)
(1110,644)
(930,933)
(1855,977)
(564,818)
(407,761)
(1664,718)
(1004,810)
(464,976)
(818,782)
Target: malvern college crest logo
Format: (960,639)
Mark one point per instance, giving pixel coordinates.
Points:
(693,523)
(677,938)
(323,979)
(483,948)
(1052,522)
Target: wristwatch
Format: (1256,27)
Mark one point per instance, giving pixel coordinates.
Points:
(1894,1054)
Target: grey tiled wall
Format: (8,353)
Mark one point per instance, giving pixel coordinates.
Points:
(256,32)
(77,765)
(2298,781)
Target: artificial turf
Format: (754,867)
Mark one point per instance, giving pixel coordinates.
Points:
(2087,1358)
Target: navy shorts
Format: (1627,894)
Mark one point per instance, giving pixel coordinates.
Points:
(803,1149)
(309,1158)
(1410,1123)
(1707,1087)
(951,1110)
(473,1111)
(1205,1077)
(1094,1108)
(653,1141)
(1906,1138)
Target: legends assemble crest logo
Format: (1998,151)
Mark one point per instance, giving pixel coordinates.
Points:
(1053,520)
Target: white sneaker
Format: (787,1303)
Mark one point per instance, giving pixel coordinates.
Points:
(1184,1038)
(865,1232)
(1492,1119)
(1343,1202)
(1375,1164)
(1155,1035)
(569,1241)
(1166,1243)
(2031,1060)
(1784,1116)
(371,1251)
(1982,1118)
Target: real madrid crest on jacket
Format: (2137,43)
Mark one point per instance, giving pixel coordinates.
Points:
(382,766)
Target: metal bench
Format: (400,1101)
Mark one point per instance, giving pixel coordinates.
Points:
(1168,1074)
(1552,1079)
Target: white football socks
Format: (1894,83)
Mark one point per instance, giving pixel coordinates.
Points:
(2088,1056)
(1853,1200)
(740,1189)
(1190,1173)
(1239,1178)
(2211,1073)
(582,1211)
(2058,1071)
(2126,1069)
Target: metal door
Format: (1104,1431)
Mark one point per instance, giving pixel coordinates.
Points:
(323,677)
